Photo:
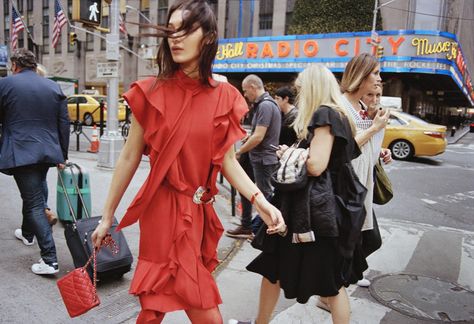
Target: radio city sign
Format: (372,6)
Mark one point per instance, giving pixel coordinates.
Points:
(408,51)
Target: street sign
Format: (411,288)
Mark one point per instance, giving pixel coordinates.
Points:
(374,38)
(112,49)
(107,70)
(87,11)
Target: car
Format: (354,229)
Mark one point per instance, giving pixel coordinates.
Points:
(408,136)
(89,108)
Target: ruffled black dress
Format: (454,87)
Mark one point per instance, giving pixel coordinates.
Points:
(314,268)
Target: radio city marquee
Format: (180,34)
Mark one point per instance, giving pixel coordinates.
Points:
(403,51)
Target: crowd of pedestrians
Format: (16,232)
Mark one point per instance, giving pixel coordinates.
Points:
(183,108)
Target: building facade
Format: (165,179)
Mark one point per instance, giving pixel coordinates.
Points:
(239,19)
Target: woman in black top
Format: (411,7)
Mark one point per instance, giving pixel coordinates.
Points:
(320,267)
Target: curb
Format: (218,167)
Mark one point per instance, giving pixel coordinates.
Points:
(464,132)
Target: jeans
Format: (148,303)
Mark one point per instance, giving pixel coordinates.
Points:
(262,175)
(44,186)
(30,181)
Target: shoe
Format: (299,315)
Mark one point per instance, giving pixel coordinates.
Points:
(234,321)
(322,305)
(52,218)
(240,232)
(42,268)
(19,235)
(363,283)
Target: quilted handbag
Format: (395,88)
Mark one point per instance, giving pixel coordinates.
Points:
(78,292)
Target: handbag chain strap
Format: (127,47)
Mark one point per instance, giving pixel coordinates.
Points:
(109,242)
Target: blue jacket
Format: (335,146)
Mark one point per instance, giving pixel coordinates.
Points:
(35,121)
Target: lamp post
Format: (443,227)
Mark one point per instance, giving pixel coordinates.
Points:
(139,12)
(112,141)
(373,35)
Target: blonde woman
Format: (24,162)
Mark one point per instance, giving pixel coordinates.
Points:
(312,268)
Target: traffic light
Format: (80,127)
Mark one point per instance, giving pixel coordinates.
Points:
(88,12)
(72,38)
(379,52)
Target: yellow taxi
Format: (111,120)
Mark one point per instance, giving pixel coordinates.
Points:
(408,136)
(89,111)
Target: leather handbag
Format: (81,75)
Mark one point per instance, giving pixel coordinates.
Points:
(78,292)
(291,173)
(383,192)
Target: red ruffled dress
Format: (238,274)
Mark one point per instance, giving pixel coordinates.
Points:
(188,128)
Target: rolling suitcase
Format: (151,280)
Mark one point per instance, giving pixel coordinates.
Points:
(66,186)
(78,239)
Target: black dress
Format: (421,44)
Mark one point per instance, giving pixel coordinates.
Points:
(314,268)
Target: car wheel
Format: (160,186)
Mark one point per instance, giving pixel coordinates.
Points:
(88,119)
(401,150)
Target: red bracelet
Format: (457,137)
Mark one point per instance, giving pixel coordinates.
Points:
(252,199)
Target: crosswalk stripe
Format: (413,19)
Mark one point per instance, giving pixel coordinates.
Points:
(431,202)
(466,271)
(398,245)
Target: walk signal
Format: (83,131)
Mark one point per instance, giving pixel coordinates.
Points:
(379,52)
(72,38)
(87,11)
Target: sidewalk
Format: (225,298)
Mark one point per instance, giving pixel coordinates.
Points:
(458,135)
(419,249)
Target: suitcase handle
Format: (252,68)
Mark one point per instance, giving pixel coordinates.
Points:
(78,190)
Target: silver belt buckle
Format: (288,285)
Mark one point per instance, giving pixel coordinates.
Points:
(198,195)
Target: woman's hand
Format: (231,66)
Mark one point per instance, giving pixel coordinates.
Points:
(381,119)
(281,150)
(386,155)
(270,215)
(100,232)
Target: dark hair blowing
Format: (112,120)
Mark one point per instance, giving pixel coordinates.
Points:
(356,71)
(284,92)
(196,13)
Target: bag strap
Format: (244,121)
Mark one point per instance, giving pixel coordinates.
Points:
(107,241)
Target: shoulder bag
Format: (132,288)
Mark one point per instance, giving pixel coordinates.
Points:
(383,192)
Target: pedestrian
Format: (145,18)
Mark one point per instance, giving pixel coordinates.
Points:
(187,124)
(285,98)
(35,138)
(361,77)
(314,267)
(50,215)
(266,123)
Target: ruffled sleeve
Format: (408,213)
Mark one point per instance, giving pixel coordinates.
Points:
(326,116)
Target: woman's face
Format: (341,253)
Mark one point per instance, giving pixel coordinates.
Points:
(372,81)
(372,98)
(186,49)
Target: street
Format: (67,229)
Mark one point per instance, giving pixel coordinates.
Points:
(435,190)
(426,229)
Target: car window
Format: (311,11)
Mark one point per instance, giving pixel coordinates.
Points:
(394,121)
(82,99)
(99,99)
(71,100)
(411,117)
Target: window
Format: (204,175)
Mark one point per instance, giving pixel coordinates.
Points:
(82,99)
(58,48)
(71,100)
(45,4)
(162,11)
(6,8)
(19,7)
(105,24)
(89,42)
(45,31)
(29,5)
(265,23)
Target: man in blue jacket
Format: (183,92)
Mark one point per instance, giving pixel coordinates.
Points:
(33,111)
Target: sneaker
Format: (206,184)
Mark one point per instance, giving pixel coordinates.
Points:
(363,283)
(240,232)
(234,321)
(42,268)
(52,218)
(322,305)
(19,235)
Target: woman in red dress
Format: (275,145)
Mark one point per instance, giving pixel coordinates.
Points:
(187,123)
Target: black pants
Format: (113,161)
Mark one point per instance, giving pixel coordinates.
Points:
(246,205)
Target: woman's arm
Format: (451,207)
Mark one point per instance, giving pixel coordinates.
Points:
(237,177)
(124,170)
(379,122)
(320,151)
